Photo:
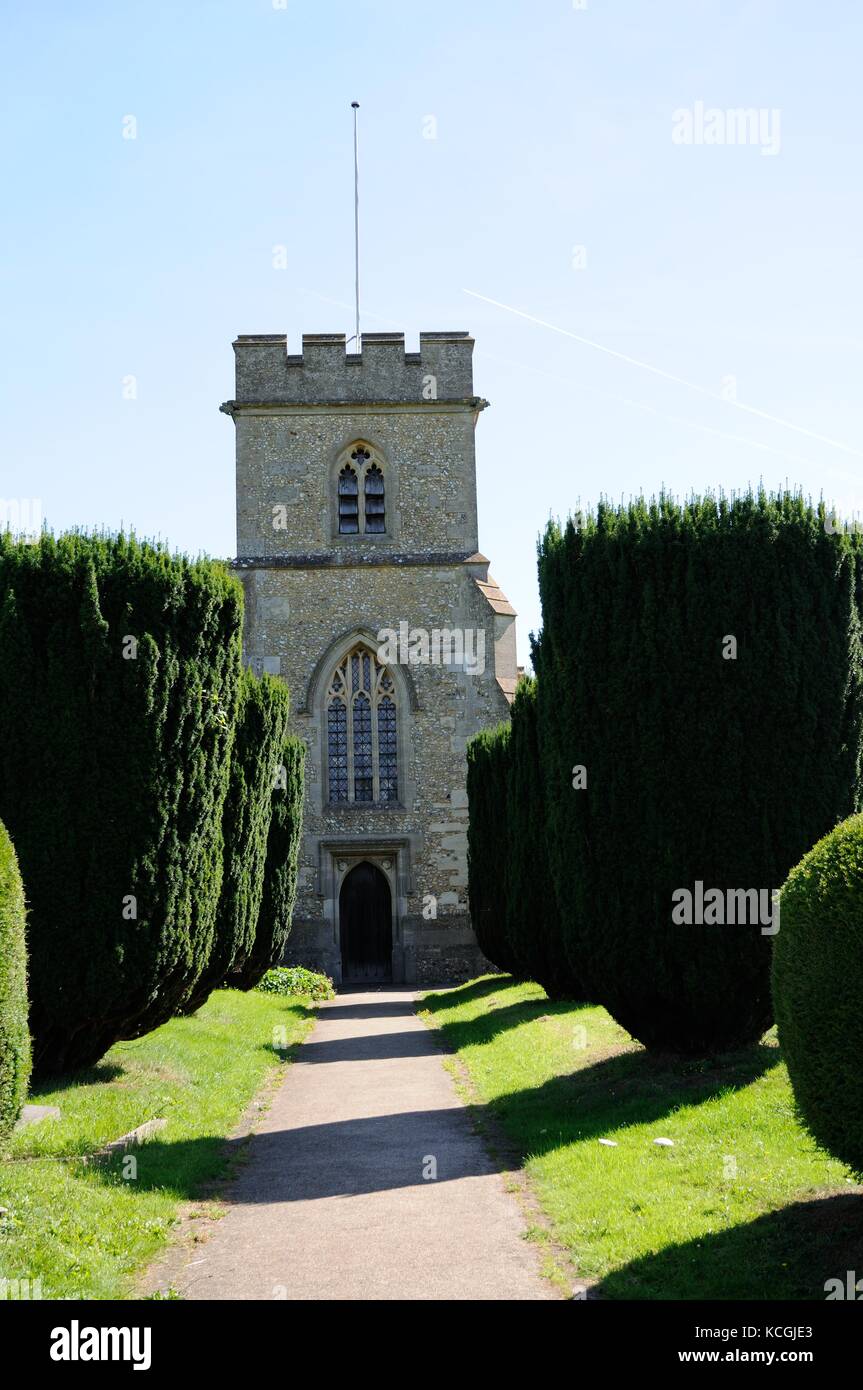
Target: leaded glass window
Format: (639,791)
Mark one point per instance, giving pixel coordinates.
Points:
(364,782)
(362,731)
(337,748)
(387,752)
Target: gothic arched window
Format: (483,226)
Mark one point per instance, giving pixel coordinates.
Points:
(360,501)
(362,743)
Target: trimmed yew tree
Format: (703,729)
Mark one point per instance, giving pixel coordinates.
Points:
(256,771)
(487,778)
(119,671)
(14,1034)
(818,990)
(280,870)
(702,663)
(533,926)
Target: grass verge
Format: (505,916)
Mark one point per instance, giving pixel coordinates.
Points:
(741,1205)
(84,1228)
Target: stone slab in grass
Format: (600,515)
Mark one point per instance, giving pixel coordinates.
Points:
(34,1114)
(135,1137)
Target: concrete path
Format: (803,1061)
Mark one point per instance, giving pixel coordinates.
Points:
(332,1203)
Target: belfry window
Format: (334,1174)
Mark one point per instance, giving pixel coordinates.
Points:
(375,511)
(349,519)
(361,488)
(362,742)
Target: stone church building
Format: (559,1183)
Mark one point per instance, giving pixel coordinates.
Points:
(365,591)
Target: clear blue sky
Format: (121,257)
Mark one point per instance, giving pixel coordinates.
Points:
(146,257)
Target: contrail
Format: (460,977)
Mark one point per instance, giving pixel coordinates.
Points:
(669,376)
(658,414)
(622,400)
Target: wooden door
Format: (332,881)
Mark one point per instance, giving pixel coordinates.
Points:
(366,926)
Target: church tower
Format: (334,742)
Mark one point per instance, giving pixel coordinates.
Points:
(357,548)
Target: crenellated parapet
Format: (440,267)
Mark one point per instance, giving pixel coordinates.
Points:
(326,373)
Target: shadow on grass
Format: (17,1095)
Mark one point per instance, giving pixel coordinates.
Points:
(803,1245)
(629,1088)
(489,984)
(472,1032)
(301,1005)
(465,994)
(498,1018)
(96,1075)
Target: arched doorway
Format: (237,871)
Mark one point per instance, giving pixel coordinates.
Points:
(366,925)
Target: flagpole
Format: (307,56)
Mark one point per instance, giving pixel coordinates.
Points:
(356,105)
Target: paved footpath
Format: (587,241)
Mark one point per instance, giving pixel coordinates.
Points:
(332,1203)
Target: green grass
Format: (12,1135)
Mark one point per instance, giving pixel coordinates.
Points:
(86,1229)
(742,1206)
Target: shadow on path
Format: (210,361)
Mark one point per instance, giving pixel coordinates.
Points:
(293,1165)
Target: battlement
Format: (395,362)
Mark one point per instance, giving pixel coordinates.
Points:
(325,373)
